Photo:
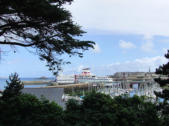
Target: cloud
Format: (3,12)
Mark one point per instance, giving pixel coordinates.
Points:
(136,65)
(148,45)
(126,45)
(164,50)
(96,48)
(119,16)
(165,40)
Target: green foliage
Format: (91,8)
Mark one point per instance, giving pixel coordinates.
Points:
(79,91)
(72,114)
(13,88)
(101,110)
(164,110)
(96,109)
(136,111)
(19,109)
(164,82)
(27,110)
(44,25)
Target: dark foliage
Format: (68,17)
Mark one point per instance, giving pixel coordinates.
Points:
(27,110)
(101,110)
(13,88)
(43,25)
(19,109)
(164,82)
(96,109)
(163,108)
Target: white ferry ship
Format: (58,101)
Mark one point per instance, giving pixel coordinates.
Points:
(84,77)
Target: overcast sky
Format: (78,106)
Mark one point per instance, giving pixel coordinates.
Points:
(130,35)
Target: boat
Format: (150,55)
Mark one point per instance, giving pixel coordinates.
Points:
(84,77)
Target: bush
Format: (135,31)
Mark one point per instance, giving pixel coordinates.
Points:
(101,110)
(27,110)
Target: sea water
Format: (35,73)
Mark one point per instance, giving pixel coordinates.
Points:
(3,83)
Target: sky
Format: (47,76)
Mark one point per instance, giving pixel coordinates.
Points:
(130,35)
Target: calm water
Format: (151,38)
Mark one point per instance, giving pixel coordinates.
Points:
(3,82)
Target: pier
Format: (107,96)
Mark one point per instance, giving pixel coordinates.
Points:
(42,82)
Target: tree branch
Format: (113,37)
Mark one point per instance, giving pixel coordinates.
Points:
(17,44)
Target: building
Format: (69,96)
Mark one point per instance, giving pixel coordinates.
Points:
(52,94)
(134,76)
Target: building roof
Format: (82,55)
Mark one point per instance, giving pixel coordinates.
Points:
(52,94)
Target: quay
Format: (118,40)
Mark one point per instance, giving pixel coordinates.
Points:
(36,82)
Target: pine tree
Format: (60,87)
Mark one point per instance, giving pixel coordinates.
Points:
(13,88)
(44,25)
(163,80)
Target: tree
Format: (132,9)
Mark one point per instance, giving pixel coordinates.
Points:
(44,25)
(135,111)
(13,88)
(27,110)
(95,110)
(18,109)
(73,114)
(163,81)
(101,110)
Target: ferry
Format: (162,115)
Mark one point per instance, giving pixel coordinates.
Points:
(84,77)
